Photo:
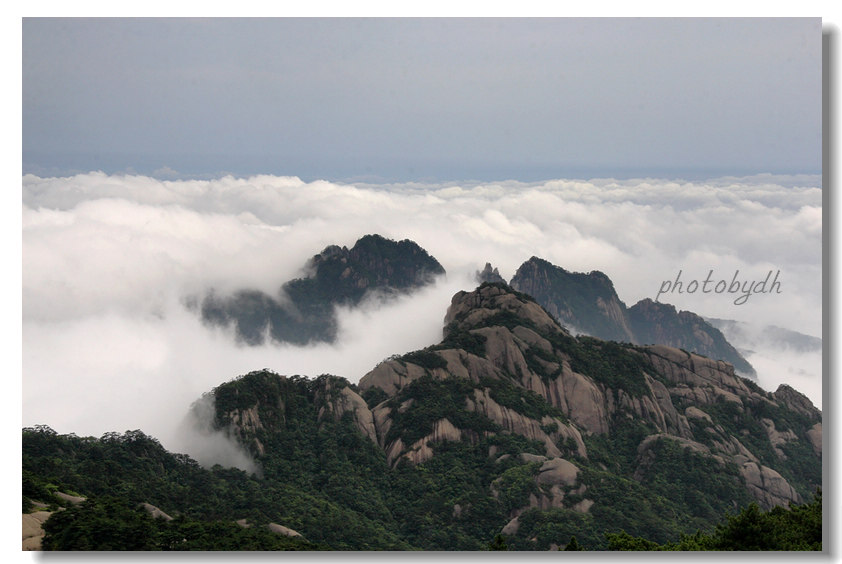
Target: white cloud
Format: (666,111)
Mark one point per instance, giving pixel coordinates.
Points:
(108,261)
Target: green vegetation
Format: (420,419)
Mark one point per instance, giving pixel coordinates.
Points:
(525,402)
(797,528)
(469,342)
(374,396)
(325,480)
(744,422)
(426,401)
(702,489)
(111,523)
(516,484)
(319,475)
(617,366)
(424,358)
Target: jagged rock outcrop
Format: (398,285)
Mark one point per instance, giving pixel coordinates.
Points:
(522,344)
(702,379)
(420,451)
(488,274)
(776,437)
(514,422)
(245,423)
(796,401)
(471,309)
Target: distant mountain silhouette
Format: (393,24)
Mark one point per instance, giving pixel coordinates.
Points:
(304,309)
(588,303)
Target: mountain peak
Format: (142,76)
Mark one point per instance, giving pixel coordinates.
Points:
(340,274)
(585,302)
(489,274)
(589,304)
(797,401)
(496,302)
(337,275)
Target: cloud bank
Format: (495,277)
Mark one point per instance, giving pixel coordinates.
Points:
(108,262)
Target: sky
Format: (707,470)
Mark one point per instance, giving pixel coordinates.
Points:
(163,158)
(422,99)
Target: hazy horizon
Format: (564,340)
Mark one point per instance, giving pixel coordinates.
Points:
(422,99)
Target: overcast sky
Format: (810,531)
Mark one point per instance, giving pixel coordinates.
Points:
(431,99)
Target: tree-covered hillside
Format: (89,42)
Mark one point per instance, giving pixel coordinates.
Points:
(510,433)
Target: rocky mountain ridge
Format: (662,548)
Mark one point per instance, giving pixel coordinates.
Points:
(510,431)
(589,304)
(505,367)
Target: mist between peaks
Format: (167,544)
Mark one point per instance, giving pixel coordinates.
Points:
(744,288)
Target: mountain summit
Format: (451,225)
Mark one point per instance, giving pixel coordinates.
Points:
(304,310)
(589,304)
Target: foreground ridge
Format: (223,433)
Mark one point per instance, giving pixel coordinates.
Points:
(510,431)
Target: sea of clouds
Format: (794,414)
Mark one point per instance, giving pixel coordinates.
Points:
(109,262)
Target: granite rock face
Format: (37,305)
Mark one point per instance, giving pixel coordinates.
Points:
(506,367)
(522,344)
